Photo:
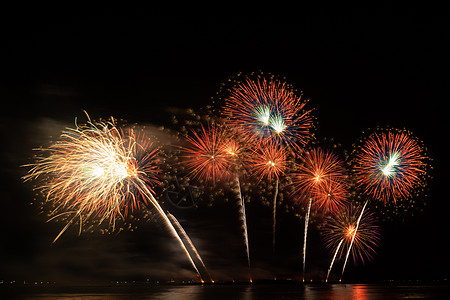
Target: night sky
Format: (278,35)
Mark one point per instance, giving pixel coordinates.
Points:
(377,67)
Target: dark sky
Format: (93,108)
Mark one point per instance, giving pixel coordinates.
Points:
(384,66)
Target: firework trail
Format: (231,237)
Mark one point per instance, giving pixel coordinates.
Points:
(244,224)
(274,216)
(98,170)
(235,154)
(190,243)
(77,214)
(305,235)
(353,237)
(332,261)
(172,228)
(319,178)
(389,164)
(269,160)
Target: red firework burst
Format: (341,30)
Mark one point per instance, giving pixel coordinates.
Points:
(266,109)
(389,165)
(320,176)
(208,154)
(268,160)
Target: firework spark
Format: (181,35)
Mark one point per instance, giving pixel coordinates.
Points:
(268,109)
(389,165)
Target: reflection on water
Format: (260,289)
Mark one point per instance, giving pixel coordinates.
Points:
(229,292)
(360,292)
(181,293)
(206,292)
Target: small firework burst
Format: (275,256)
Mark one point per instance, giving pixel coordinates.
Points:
(268,160)
(235,148)
(332,195)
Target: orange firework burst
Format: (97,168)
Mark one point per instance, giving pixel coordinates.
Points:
(266,108)
(321,177)
(97,170)
(234,147)
(389,165)
(210,154)
(343,227)
(330,196)
(268,160)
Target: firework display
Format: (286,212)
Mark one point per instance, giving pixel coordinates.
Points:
(259,138)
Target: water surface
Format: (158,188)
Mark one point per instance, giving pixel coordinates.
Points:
(229,292)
